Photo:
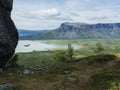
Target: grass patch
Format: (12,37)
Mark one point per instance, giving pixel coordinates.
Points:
(97,59)
(105,80)
(35,58)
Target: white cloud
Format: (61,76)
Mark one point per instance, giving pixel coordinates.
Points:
(46,13)
(40,14)
(97,16)
(40,19)
(49,14)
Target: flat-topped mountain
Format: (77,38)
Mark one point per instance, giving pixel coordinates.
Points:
(81,31)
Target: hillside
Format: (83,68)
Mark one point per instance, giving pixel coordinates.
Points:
(83,74)
(53,70)
(80,31)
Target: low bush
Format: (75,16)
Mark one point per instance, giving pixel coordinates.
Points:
(105,80)
(65,55)
(99,49)
(60,56)
(98,59)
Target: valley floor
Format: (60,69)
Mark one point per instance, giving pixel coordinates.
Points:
(77,75)
(88,71)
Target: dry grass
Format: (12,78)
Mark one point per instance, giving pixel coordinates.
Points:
(57,80)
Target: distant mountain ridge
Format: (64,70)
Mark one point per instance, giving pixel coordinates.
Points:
(23,32)
(80,31)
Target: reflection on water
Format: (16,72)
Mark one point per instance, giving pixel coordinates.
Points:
(30,46)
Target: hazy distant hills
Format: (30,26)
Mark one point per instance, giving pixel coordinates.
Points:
(23,32)
(79,31)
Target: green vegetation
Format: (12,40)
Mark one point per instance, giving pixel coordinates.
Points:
(65,55)
(111,79)
(99,49)
(95,66)
(35,58)
(70,53)
(60,56)
(97,59)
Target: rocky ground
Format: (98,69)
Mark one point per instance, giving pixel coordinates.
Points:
(71,76)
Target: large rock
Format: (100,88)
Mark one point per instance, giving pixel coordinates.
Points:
(8,32)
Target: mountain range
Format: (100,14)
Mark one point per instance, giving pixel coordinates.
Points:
(78,30)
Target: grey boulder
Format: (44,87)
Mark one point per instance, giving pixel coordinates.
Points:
(8,33)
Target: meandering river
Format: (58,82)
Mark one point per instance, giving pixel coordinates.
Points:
(30,46)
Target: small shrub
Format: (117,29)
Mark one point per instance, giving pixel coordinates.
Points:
(99,49)
(60,56)
(65,55)
(69,53)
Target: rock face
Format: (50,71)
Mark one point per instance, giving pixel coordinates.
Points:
(8,32)
(86,31)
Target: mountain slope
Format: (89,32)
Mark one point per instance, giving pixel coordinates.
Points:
(81,31)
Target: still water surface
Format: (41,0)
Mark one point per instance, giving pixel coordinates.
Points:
(30,46)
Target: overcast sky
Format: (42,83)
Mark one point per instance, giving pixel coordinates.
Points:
(49,14)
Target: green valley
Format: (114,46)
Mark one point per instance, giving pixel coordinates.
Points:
(52,70)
